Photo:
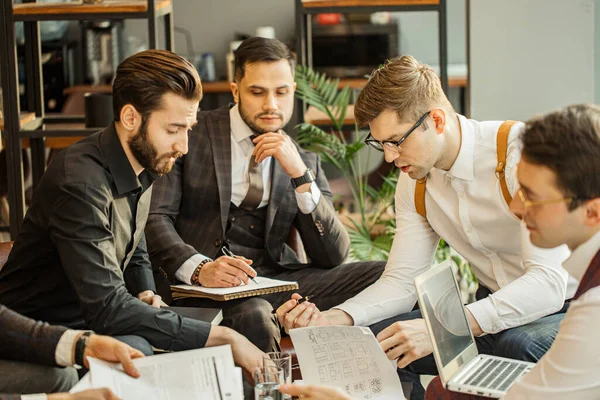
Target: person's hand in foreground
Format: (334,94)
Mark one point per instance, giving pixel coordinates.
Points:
(293,315)
(405,341)
(314,392)
(92,394)
(112,350)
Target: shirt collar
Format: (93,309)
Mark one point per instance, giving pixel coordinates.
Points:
(463,165)
(120,168)
(239,128)
(582,256)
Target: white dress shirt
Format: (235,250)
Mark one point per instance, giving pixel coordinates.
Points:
(570,368)
(465,206)
(241,151)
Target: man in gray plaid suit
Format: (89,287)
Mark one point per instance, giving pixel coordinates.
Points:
(246,186)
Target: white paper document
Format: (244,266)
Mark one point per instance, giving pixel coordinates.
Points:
(348,357)
(207,373)
(84,383)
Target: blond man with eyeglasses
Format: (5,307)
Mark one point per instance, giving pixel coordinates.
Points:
(457,180)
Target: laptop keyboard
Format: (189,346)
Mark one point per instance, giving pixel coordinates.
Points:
(496,374)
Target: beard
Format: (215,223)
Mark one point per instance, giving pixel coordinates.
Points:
(147,155)
(248,120)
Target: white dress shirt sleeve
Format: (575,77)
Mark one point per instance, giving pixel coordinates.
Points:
(38,396)
(64,349)
(540,291)
(412,253)
(570,368)
(308,201)
(185,272)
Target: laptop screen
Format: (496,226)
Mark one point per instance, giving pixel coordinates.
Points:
(444,309)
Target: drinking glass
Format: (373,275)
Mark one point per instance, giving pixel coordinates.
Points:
(283,361)
(266,383)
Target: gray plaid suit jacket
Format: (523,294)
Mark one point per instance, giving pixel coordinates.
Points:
(190,206)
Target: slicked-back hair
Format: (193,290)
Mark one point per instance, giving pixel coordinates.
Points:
(144,78)
(259,49)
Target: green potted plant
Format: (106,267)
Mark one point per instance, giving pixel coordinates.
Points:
(371,228)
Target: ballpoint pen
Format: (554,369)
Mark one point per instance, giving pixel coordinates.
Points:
(228,253)
(217,377)
(300,301)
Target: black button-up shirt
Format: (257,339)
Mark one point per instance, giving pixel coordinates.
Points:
(80,257)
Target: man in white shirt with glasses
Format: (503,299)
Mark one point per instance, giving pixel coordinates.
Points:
(457,181)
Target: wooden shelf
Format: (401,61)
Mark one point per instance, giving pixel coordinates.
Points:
(318,117)
(50,142)
(224,86)
(87,88)
(207,87)
(59,142)
(25,119)
(55,142)
(108,6)
(216,87)
(459,82)
(359,83)
(366,3)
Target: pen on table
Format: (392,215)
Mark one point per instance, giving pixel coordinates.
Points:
(228,253)
(217,376)
(302,300)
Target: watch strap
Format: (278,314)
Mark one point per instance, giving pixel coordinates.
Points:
(80,348)
(308,177)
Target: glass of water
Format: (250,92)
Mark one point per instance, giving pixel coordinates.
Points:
(280,360)
(266,383)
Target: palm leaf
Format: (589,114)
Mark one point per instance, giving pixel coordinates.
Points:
(352,149)
(364,248)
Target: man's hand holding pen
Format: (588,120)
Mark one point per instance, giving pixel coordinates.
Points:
(299,313)
(226,271)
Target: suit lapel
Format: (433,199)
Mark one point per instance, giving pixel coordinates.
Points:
(220,141)
(280,182)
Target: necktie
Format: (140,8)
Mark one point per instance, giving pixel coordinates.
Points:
(255,189)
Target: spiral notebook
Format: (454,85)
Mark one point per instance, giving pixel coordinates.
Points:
(262,286)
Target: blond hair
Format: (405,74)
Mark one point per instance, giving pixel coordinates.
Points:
(403,85)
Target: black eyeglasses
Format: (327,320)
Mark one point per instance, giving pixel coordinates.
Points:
(391,144)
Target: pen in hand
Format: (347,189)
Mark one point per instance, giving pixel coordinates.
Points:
(228,253)
(302,300)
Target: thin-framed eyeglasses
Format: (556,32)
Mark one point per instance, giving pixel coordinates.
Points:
(528,203)
(393,144)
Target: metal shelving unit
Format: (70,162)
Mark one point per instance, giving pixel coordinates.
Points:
(305,8)
(36,130)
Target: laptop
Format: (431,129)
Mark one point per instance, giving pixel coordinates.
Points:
(461,367)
